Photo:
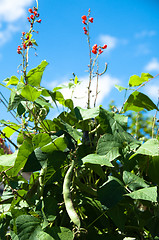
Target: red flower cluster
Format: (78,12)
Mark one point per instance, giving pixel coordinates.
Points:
(97,49)
(85,30)
(33,16)
(84,19)
(26,42)
(19,50)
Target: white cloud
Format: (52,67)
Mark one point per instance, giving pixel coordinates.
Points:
(111,41)
(12,10)
(145,33)
(142,49)
(6,34)
(153,65)
(80,95)
(152,91)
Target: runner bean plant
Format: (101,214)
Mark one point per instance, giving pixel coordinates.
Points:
(89,178)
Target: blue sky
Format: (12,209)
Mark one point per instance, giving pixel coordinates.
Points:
(130,28)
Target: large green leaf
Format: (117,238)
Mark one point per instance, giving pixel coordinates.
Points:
(34,76)
(148,194)
(24,151)
(14,100)
(55,161)
(28,228)
(96,159)
(133,182)
(9,130)
(36,160)
(136,80)
(59,144)
(8,160)
(41,140)
(13,81)
(111,192)
(30,93)
(149,148)
(84,114)
(118,217)
(138,101)
(60,233)
(109,146)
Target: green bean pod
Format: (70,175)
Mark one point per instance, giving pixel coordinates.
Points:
(67,197)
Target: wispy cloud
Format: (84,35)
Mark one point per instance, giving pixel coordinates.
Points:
(106,83)
(12,10)
(111,41)
(145,33)
(6,34)
(152,91)
(142,49)
(153,65)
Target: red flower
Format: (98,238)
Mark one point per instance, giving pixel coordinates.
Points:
(28,19)
(105,46)
(39,21)
(84,17)
(84,28)
(35,13)
(91,20)
(30,43)
(23,33)
(84,22)
(32,17)
(24,46)
(30,10)
(85,32)
(100,51)
(19,48)
(1,140)
(95,46)
(27,38)
(94,50)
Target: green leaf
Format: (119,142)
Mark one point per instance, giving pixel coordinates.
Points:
(36,160)
(60,233)
(133,182)
(9,130)
(34,76)
(50,208)
(138,101)
(28,227)
(149,148)
(43,102)
(59,144)
(84,114)
(96,159)
(148,194)
(111,192)
(108,145)
(14,100)
(41,140)
(24,151)
(118,217)
(55,161)
(13,81)
(8,160)
(137,81)
(120,88)
(30,93)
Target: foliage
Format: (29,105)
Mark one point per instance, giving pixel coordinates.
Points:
(90,177)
